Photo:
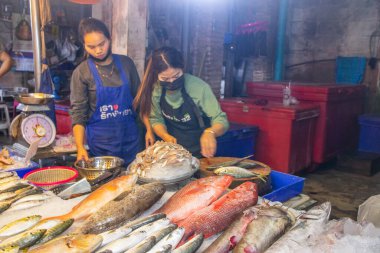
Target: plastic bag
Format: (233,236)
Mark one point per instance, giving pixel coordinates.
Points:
(69,50)
(369,211)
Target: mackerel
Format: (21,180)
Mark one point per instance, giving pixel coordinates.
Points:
(10,249)
(124,244)
(19,225)
(163,232)
(23,240)
(25,205)
(154,226)
(33,197)
(115,234)
(143,246)
(171,239)
(5,174)
(47,224)
(8,179)
(7,195)
(4,206)
(56,230)
(191,245)
(13,185)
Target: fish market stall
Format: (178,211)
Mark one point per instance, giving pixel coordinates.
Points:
(156,207)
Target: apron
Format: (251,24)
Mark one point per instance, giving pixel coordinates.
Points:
(185,123)
(112,129)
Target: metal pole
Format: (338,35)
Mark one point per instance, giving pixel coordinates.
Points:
(278,69)
(36,38)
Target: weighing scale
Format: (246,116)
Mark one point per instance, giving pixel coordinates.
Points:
(33,123)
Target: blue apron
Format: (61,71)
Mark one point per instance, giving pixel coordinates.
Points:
(112,129)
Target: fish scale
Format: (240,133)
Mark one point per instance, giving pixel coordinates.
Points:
(194,196)
(115,213)
(216,217)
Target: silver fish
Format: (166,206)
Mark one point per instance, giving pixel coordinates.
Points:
(7,195)
(33,197)
(154,226)
(5,174)
(19,225)
(270,224)
(307,226)
(13,185)
(56,230)
(143,246)
(171,239)
(124,244)
(25,205)
(115,234)
(159,234)
(191,245)
(23,240)
(236,172)
(8,179)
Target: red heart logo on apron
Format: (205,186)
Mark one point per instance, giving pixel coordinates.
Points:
(115,107)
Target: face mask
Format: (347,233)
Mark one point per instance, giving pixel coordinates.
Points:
(175,85)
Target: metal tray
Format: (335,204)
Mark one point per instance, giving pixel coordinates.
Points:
(34,98)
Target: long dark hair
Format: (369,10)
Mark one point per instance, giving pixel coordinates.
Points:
(88,25)
(161,59)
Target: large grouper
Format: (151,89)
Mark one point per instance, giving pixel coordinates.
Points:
(125,207)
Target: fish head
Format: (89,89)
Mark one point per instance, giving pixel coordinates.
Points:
(87,242)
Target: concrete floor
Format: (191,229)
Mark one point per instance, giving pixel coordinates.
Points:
(346,191)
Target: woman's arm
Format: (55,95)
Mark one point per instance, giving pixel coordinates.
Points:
(162,132)
(78,131)
(149,136)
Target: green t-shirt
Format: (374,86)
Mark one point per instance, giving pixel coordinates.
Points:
(201,94)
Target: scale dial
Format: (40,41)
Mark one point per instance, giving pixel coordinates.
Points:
(38,126)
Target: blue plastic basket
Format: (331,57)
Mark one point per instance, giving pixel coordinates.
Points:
(284,186)
(350,70)
(369,140)
(238,141)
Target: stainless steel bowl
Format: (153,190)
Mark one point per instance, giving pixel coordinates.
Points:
(34,98)
(96,166)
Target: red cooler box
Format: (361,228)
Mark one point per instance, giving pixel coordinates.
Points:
(286,133)
(63,118)
(337,129)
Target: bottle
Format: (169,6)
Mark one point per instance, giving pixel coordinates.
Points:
(286,95)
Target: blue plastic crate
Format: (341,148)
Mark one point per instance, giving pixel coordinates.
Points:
(284,186)
(369,139)
(238,141)
(350,69)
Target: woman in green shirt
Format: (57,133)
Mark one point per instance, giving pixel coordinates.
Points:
(180,107)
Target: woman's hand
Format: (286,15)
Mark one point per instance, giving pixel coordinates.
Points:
(149,138)
(169,138)
(208,143)
(82,154)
